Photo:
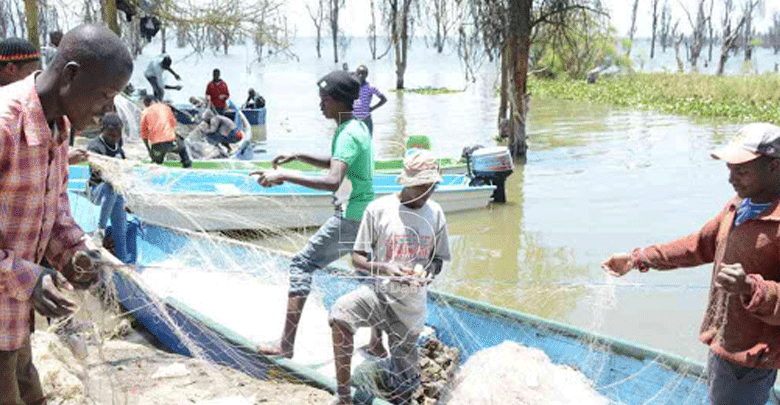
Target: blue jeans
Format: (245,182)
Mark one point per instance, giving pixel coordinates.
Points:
(113,206)
(334,239)
(732,384)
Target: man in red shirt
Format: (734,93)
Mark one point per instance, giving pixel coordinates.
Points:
(217,93)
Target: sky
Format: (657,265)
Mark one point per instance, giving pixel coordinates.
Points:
(355,18)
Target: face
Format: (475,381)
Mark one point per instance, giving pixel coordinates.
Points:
(13,72)
(328,105)
(215,75)
(82,96)
(362,74)
(112,134)
(753,178)
(417,196)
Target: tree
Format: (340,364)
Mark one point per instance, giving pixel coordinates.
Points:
(773,34)
(731,32)
(442,18)
(654,28)
(317,16)
(510,24)
(397,18)
(371,31)
(666,26)
(697,34)
(749,8)
(333,20)
(632,30)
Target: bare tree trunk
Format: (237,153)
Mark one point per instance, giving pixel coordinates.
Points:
(401,43)
(519,46)
(109,16)
(680,63)
(729,42)
(502,105)
(748,37)
(655,24)
(632,31)
(372,32)
(31,13)
(163,42)
(334,28)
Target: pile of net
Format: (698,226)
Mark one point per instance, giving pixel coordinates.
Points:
(438,364)
(512,374)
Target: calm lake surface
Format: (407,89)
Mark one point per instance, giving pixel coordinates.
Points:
(597,180)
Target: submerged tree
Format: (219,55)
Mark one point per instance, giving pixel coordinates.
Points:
(508,27)
(731,31)
(654,28)
(666,26)
(632,30)
(334,6)
(317,15)
(397,16)
(698,30)
(442,18)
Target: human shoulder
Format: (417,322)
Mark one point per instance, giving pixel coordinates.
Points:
(383,204)
(95,145)
(357,129)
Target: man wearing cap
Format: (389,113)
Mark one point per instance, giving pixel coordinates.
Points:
(351,158)
(18,59)
(741,326)
(398,234)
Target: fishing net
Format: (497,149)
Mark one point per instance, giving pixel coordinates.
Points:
(211,281)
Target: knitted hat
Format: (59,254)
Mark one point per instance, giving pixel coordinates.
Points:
(18,50)
(341,86)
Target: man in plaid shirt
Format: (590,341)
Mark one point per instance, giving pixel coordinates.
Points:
(91,67)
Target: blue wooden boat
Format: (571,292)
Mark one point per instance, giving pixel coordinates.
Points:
(194,199)
(624,372)
(188,114)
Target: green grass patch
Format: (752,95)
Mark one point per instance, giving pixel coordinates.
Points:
(741,98)
(430,91)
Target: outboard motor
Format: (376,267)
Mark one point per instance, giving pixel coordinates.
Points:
(489,166)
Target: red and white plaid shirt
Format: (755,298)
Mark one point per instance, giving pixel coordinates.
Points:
(35,219)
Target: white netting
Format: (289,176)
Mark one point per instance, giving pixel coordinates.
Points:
(239,280)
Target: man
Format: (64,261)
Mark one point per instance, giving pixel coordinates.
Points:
(363,108)
(398,233)
(217,130)
(154,74)
(741,323)
(158,131)
(18,59)
(91,67)
(253,100)
(351,157)
(109,143)
(47,53)
(217,93)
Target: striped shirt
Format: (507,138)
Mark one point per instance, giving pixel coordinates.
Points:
(35,221)
(361,108)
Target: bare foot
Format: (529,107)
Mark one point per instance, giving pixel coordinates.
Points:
(377,351)
(274,349)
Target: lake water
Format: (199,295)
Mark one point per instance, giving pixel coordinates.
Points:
(597,180)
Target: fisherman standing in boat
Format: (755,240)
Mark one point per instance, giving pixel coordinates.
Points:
(154,74)
(362,107)
(217,93)
(352,158)
(742,322)
(158,131)
(91,67)
(401,244)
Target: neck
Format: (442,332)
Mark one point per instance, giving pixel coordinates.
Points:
(46,86)
(343,117)
(770,195)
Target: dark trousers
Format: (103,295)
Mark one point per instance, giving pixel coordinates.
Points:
(157,88)
(370,124)
(19,382)
(159,150)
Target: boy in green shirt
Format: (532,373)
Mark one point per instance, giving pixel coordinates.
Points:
(351,157)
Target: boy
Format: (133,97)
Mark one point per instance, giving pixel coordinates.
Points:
(363,108)
(399,232)
(742,323)
(158,131)
(351,157)
(109,143)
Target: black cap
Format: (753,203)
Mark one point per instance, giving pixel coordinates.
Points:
(340,85)
(18,50)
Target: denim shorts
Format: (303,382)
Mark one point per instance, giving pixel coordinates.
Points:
(335,238)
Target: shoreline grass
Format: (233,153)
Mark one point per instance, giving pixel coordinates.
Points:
(743,98)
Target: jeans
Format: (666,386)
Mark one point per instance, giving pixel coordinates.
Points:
(334,239)
(732,384)
(370,124)
(113,206)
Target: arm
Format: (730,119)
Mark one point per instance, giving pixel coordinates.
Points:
(382,100)
(322,162)
(763,301)
(170,69)
(328,182)
(374,268)
(226,95)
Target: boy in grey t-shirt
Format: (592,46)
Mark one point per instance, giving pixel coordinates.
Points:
(402,241)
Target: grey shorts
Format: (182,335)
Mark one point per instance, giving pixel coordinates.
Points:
(335,238)
(732,384)
(363,308)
